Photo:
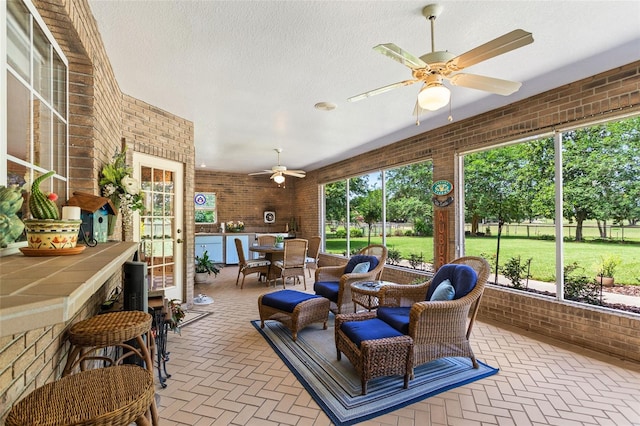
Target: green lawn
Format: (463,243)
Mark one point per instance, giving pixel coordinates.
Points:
(587,255)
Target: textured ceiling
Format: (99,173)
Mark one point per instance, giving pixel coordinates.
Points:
(248,73)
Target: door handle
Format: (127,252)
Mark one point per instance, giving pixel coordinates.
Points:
(179,241)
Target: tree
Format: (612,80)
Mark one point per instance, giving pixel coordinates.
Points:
(370,208)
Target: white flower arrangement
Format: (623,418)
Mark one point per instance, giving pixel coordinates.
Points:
(233,226)
(121,188)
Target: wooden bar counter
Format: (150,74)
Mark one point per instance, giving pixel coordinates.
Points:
(42,291)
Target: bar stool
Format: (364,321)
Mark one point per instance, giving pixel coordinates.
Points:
(117,395)
(113,329)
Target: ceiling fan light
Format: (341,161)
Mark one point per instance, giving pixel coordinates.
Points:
(278,179)
(433,97)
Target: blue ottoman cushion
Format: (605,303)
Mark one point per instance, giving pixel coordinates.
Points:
(286,300)
(328,289)
(396,317)
(371,329)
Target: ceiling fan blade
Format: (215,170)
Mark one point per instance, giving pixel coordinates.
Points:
(295,173)
(503,44)
(381,90)
(264,172)
(398,54)
(488,84)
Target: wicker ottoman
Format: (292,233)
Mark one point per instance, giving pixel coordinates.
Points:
(374,348)
(294,309)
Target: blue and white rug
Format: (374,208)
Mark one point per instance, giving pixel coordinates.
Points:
(335,386)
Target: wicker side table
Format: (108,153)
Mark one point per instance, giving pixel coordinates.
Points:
(365,294)
(116,395)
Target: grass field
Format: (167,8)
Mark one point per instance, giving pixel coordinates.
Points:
(542,252)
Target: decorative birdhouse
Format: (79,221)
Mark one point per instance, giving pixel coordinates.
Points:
(94,214)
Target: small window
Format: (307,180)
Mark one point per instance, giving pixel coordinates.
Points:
(205,204)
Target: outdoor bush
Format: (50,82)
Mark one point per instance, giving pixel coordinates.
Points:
(356,233)
(416,260)
(393,256)
(398,232)
(408,233)
(579,287)
(341,233)
(423,228)
(515,271)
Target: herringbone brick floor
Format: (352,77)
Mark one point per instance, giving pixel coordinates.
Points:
(225,373)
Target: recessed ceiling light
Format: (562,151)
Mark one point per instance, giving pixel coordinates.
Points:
(325,106)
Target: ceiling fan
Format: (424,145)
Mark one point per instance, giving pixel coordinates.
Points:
(437,66)
(278,172)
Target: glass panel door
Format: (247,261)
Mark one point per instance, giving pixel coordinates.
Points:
(160,230)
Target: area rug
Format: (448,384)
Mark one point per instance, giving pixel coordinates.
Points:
(192,316)
(335,386)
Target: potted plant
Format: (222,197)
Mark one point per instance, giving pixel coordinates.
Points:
(606,268)
(279,241)
(46,231)
(204,268)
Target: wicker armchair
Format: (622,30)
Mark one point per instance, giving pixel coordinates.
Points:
(438,328)
(293,263)
(334,282)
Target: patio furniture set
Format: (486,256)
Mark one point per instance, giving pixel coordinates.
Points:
(403,326)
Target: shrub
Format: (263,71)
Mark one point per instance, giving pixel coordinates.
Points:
(423,228)
(393,256)
(579,287)
(416,260)
(408,233)
(341,233)
(356,233)
(516,271)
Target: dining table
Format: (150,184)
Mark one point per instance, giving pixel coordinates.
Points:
(271,253)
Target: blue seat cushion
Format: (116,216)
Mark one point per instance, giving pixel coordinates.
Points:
(371,329)
(396,317)
(328,289)
(286,300)
(462,277)
(360,258)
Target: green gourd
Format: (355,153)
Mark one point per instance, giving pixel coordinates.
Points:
(40,206)
(10,224)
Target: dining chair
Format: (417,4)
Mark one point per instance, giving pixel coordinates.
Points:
(266,240)
(313,251)
(251,266)
(293,262)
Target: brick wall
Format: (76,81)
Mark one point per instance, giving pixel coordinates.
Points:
(243,197)
(99,117)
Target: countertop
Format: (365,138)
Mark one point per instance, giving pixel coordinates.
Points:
(42,291)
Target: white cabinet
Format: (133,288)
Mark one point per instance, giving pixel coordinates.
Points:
(230,246)
(213,244)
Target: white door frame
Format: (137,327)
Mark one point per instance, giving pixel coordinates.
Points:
(139,160)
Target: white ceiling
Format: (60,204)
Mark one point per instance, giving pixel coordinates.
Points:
(248,73)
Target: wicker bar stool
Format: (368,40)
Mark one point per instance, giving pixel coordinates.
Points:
(117,395)
(114,329)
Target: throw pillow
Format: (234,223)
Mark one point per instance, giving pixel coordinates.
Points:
(361,268)
(444,291)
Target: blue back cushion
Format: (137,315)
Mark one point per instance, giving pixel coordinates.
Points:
(285,300)
(360,258)
(396,317)
(371,329)
(462,277)
(328,289)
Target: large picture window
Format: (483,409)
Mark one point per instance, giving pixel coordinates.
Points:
(35,95)
(568,250)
